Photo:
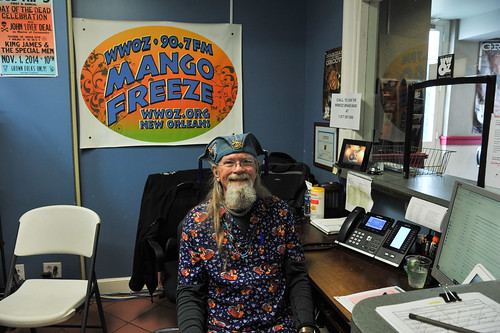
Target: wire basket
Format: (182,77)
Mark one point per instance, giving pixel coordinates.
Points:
(423,161)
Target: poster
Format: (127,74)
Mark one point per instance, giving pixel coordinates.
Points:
(407,67)
(157,83)
(27,38)
(331,78)
(445,67)
(489,64)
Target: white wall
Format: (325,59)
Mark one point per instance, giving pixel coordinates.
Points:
(462,163)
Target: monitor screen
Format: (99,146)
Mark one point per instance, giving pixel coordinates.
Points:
(471,232)
(400,237)
(376,223)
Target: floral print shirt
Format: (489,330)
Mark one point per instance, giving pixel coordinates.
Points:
(246,283)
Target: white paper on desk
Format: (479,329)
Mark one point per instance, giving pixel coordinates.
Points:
(426,213)
(358,192)
(329,226)
(475,312)
(350,301)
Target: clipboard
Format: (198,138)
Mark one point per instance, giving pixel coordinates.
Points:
(462,311)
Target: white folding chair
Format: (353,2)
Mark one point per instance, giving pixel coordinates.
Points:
(60,229)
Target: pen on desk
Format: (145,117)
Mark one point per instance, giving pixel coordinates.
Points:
(427,245)
(440,324)
(428,241)
(434,245)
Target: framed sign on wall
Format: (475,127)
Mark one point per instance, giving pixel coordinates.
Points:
(325,146)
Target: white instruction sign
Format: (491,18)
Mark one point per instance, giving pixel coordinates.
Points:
(492,175)
(345,111)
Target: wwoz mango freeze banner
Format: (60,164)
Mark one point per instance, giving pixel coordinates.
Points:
(157,83)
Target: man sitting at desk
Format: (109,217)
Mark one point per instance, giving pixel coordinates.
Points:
(241,263)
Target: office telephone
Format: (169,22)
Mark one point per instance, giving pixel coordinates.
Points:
(375,236)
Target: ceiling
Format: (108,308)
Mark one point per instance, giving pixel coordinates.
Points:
(458,9)
(478,19)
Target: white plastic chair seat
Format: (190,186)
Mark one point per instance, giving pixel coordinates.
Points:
(54,230)
(51,301)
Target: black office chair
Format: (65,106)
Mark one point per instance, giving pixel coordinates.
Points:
(285,177)
(169,257)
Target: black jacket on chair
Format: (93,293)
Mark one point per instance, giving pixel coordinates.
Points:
(166,199)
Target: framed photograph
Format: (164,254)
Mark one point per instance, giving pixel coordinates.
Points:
(355,154)
(325,146)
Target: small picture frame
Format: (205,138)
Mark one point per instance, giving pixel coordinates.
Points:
(355,154)
(325,146)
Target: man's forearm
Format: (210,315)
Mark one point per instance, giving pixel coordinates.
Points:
(191,308)
(301,299)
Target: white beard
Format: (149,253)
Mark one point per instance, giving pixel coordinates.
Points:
(240,197)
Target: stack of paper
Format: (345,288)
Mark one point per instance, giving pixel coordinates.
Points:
(329,226)
(350,301)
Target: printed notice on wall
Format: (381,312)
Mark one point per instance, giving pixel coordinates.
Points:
(27,41)
(346,111)
(492,175)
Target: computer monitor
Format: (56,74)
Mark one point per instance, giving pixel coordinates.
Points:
(471,235)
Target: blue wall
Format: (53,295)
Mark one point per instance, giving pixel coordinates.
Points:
(36,164)
(324,32)
(283,59)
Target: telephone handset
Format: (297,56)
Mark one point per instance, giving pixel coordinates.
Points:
(374,236)
(364,232)
(350,224)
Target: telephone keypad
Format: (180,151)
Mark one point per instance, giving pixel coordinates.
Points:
(356,237)
(365,241)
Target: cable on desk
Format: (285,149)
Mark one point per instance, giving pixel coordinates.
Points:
(318,246)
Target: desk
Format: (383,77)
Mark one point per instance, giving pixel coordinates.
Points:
(341,271)
(366,319)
